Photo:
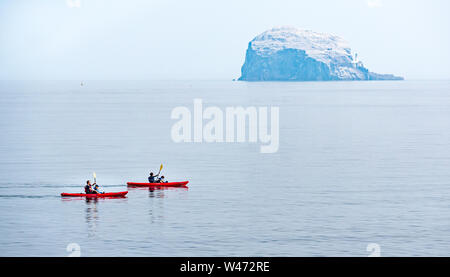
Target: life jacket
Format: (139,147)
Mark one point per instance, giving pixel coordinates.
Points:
(96,189)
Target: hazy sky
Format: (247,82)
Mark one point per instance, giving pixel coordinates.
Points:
(207,39)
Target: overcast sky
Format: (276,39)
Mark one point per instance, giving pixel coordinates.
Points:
(207,39)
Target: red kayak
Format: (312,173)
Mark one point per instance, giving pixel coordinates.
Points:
(95,195)
(172,184)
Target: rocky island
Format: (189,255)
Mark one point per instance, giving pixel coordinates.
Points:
(291,54)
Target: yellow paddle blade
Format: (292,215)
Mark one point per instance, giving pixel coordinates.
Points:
(95,175)
(160,168)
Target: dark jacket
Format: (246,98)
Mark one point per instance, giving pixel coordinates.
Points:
(152,179)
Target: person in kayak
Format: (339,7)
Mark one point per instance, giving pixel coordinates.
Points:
(96,188)
(162,180)
(152,178)
(88,189)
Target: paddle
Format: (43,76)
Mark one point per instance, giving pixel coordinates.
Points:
(95,182)
(160,168)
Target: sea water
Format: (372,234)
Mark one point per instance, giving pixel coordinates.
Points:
(359,164)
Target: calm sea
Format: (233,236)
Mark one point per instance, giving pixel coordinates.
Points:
(358,163)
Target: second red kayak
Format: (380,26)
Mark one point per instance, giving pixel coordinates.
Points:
(172,184)
(96,195)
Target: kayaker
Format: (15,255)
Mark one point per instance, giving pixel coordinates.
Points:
(96,188)
(88,188)
(162,180)
(152,177)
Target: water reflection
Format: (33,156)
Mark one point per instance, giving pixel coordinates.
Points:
(157,206)
(92,216)
(155,193)
(160,192)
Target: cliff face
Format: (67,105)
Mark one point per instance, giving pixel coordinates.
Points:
(290,54)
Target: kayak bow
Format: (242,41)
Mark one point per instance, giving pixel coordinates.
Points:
(95,195)
(172,184)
